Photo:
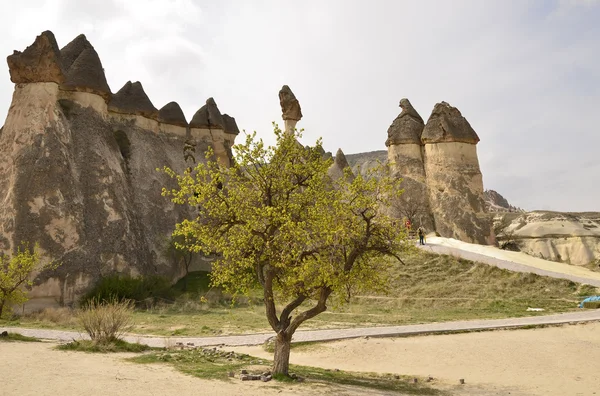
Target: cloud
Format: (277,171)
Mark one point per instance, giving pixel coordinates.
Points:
(523,73)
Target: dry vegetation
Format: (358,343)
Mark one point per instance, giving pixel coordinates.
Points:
(427,288)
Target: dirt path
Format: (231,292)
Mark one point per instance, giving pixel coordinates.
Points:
(557,361)
(335,334)
(513,261)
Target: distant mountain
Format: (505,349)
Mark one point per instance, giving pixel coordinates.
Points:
(362,162)
(495,202)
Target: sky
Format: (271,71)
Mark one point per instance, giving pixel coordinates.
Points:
(525,73)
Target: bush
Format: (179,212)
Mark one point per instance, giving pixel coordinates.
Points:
(106,321)
(123,287)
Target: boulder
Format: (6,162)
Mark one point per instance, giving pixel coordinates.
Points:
(40,62)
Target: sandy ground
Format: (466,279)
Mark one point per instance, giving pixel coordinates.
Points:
(515,257)
(547,361)
(37,369)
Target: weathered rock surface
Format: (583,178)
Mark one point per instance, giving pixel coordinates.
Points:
(495,202)
(172,114)
(208,116)
(407,127)
(405,156)
(83,68)
(290,107)
(446,124)
(337,169)
(132,99)
(454,178)
(230,125)
(40,62)
(572,238)
(80,179)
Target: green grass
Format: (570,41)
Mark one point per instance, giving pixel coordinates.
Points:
(14,337)
(216,365)
(91,346)
(427,288)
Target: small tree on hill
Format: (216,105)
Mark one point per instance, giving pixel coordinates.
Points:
(276,221)
(15,274)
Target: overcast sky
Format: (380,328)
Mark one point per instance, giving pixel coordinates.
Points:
(526,74)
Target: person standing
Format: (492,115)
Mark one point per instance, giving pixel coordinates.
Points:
(421,233)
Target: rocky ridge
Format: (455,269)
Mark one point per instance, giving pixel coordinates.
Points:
(78,168)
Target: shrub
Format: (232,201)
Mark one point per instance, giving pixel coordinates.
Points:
(123,287)
(106,321)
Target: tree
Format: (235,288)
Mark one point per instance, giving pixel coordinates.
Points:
(410,206)
(15,273)
(180,248)
(276,220)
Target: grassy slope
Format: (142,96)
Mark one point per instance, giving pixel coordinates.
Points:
(428,288)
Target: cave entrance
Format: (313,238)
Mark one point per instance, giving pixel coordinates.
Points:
(124,144)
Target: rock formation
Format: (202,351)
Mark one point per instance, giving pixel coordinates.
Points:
(443,186)
(290,108)
(337,169)
(210,127)
(494,202)
(405,156)
(78,168)
(454,179)
(572,238)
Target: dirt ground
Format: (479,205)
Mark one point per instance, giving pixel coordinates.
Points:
(546,361)
(37,369)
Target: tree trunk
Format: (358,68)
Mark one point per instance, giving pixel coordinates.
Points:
(2,307)
(281,361)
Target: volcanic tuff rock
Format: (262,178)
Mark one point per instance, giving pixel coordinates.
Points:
(454,178)
(290,108)
(83,68)
(572,238)
(79,176)
(40,62)
(407,127)
(495,202)
(131,99)
(337,169)
(171,113)
(446,124)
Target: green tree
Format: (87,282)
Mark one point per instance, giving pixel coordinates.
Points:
(15,274)
(276,220)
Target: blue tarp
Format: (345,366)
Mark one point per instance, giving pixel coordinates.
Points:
(593,298)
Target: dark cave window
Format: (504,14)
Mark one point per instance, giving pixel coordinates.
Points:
(124,144)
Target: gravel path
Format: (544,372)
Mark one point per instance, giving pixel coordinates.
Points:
(333,334)
(509,265)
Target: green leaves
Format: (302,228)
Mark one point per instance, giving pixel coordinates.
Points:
(15,274)
(276,218)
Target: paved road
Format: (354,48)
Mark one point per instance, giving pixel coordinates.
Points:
(509,265)
(334,334)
